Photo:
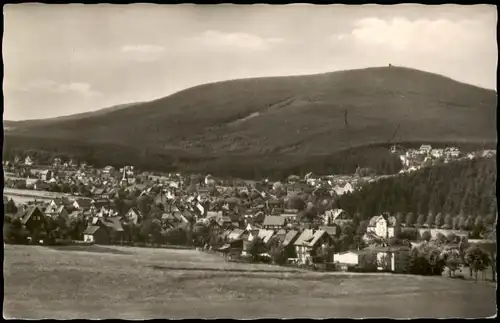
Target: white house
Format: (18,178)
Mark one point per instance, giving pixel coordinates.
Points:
(341,190)
(394,259)
(425,149)
(452,152)
(382,225)
(28,161)
(437,153)
(489,153)
(108,169)
(356,258)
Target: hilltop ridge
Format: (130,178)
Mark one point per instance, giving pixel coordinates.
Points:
(290,115)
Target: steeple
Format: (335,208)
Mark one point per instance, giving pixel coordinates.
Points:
(124,180)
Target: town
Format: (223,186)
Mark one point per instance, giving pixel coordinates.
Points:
(296,222)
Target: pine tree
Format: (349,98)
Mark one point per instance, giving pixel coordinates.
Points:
(430,220)
(439,221)
(421,219)
(410,219)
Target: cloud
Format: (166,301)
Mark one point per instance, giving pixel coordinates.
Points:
(83,89)
(143,49)
(401,34)
(224,41)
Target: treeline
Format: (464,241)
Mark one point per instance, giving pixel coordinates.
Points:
(274,166)
(465,188)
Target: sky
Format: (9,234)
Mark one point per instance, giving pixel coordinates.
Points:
(72,58)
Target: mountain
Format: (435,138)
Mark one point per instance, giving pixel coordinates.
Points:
(289,116)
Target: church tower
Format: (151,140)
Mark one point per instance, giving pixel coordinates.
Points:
(124,181)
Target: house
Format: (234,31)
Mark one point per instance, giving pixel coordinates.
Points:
(308,243)
(108,170)
(224,221)
(332,230)
(32,217)
(97,205)
(55,212)
(452,152)
(272,222)
(58,201)
(28,161)
(489,153)
(113,227)
(41,186)
(336,216)
(394,259)
(287,242)
(236,234)
(46,174)
(133,215)
(96,234)
(82,204)
(382,225)
(356,259)
(425,149)
(341,190)
(437,153)
(264,235)
(98,191)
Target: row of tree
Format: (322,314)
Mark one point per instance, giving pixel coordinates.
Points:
(466,189)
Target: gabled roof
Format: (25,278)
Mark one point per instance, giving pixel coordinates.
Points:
(391,220)
(274,220)
(91,229)
(331,230)
(290,237)
(265,235)
(309,237)
(75,214)
(25,215)
(235,234)
(112,223)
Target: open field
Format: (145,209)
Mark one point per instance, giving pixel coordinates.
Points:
(134,283)
(23,196)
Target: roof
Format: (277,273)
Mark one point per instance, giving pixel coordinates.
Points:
(265,235)
(25,215)
(91,229)
(274,220)
(303,237)
(112,223)
(85,203)
(235,234)
(388,249)
(309,237)
(331,230)
(390,219)
(289,237)
(75,214)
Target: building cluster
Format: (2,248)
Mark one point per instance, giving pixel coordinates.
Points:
(414,159)
(301,212)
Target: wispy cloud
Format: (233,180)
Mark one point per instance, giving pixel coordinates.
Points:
(224,41)
(143,52)
(143,49)
(401,34)
(83,89)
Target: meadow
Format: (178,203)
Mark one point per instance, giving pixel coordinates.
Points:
(135,283)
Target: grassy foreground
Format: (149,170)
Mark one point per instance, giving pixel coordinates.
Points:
(134,283)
